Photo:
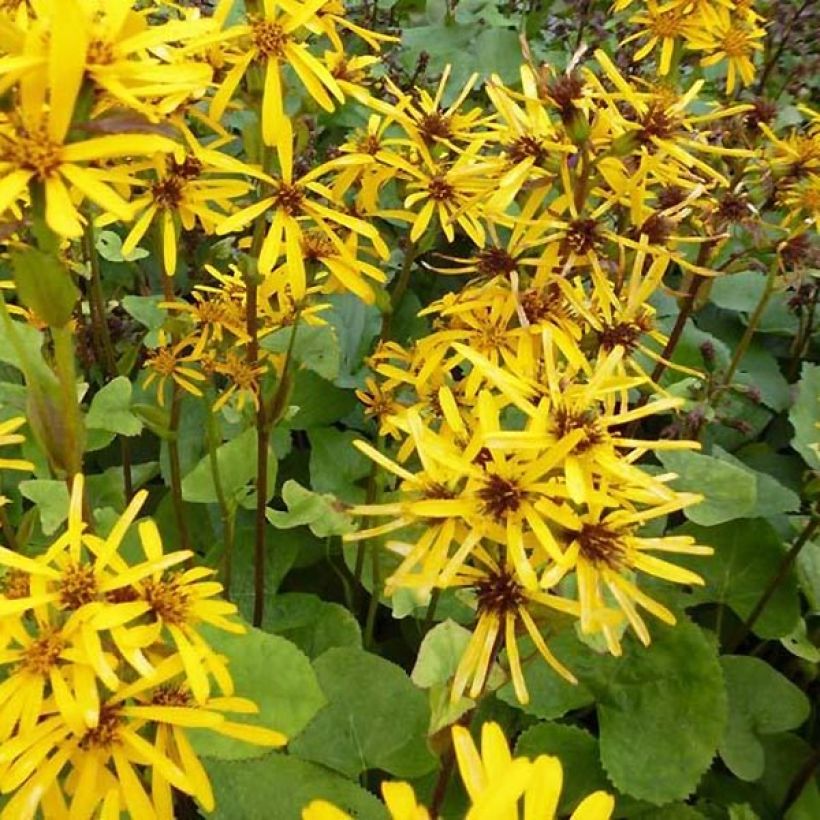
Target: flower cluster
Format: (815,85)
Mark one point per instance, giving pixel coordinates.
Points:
(728,31)
(107,669)
(497,783)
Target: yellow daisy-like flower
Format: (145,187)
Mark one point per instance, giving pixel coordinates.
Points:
(503,608)
(449,192)
(497,783)
(275,39)
(727,38)
(660,24)
(173,361)
(35,151)
(184,193)
(297,208)
(604,552)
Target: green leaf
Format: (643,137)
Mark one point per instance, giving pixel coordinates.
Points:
(439,654)
(761,702)
(335,464)
(661,713)
(44,285)
(274,674)
(323,514)
(51,498)
(319,403)
(146,310)
(800,645)
(278,787)
(312,624)
(550,695)
(772,497)
(237,466)
(747,556)
(375,718)
(729,491)
(111,409)
(578,752)
(356,324)
(109,247)
(315,348)
(805,415)
(498,51)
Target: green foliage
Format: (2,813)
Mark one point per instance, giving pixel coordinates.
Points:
(659,727)
(747,555)
(805,415)
(276,675)
(278,787)
(312,624)
(761,702)
(322,513)
(375,718)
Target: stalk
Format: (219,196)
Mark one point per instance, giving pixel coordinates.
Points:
(782,571)
(751,327)
(176,410)
(99,320)
(226,514)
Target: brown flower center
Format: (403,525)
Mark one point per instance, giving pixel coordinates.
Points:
(500,496)
(290,198)
(439,189)
(499,593)
(43,654)
(601,545)
(106,733)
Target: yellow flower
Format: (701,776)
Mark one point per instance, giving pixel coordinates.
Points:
(173,361)
(497,782)
(503,606)
(275,39)
(9,436)
(427,122)
(728,39)
(399,798)
(661,23)
(604,553)
(529,138)
(184,193)
(450,192)
(296,208)
(80,582)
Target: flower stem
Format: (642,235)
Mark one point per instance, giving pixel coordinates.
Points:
(226,514)
(782,571)
(99,321)
(173,424)
(751,327)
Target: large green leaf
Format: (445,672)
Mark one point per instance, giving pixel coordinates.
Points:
(315,347)
(278,787)
(335,464)
(439,654)
(747,556)
(761,702)
(321,512)
(805,415)
(274,674)
(729,491)
(661,713)
(312,624)
(375,718)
